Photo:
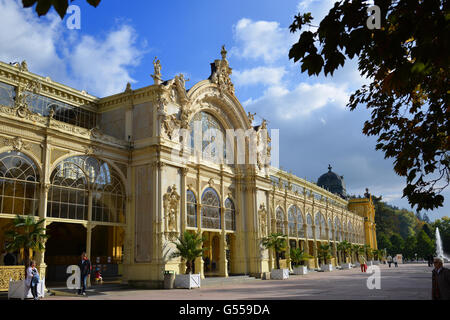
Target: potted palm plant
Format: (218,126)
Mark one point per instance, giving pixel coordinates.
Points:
(188,247)
(355,249)
(345,247)
(27,235)
(324,252)
(277,242)
(298,258)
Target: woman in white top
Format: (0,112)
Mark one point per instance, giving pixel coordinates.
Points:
(32,272)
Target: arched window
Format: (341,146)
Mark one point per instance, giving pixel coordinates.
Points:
(230,215)
(212,137)
(317,225)
(19,184)
(323,226)
(337,230)
(292,219)
(70,181)
(330,231)
(280,220)
(210,209)
(191,208)
(349,232)
(309,226)
(300,223)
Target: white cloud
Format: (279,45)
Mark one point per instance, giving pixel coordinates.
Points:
(318,8)
(258,75)
(301,101)
(101,66)
(261,40)
(97,65)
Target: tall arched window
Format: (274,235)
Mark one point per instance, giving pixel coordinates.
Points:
(19,184)
(337,230)
(349,232)
(212,137)
(210,213)
(300,223)
(191,208)
(330,229)
(323,227)
(292,219)
(280,220)
(317,225)
(309,226)
(230,215)
(70,181)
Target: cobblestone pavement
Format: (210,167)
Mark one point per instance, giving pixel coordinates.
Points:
(407,282)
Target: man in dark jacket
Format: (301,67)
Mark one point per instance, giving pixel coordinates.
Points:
(85,271)
(440,281)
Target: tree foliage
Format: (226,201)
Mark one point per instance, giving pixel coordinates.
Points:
(189,247)
(425,246)
(298,256)
(408,64)
(24,233)
(444,230)
(324,251)
(43,6)
(278,243)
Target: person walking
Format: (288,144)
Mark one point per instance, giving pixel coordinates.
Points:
(32,280)
(85,271)
(395,261)
(440,279)
(362,262)
(389,260)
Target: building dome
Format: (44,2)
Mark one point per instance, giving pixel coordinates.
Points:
(332,182)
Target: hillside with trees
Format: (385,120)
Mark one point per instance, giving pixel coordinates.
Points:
(402,231)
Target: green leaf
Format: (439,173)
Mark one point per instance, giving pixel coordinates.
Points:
(94,3)
(61,7)
(43,6)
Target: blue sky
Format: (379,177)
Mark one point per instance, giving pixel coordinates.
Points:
(118,41)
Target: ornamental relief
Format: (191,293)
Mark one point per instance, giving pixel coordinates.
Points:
(262,214)
(170,202)
(16,143)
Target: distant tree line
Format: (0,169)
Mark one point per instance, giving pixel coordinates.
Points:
(402,231)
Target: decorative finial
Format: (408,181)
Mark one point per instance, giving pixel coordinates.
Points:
(329,168)
(128,88)
(223,53)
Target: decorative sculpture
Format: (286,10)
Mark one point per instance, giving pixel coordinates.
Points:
(171,200)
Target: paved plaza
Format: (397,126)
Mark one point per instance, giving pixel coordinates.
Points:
(407,282)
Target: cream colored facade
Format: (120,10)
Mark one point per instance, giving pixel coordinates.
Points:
(135,140)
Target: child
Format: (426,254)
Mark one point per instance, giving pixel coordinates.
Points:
(98,277)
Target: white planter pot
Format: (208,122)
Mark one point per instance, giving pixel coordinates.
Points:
(346,266)
(17,289)
(300,270)
(187,281)
(327,267)
(279,274)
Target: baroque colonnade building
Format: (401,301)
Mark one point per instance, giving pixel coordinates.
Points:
(116,177)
